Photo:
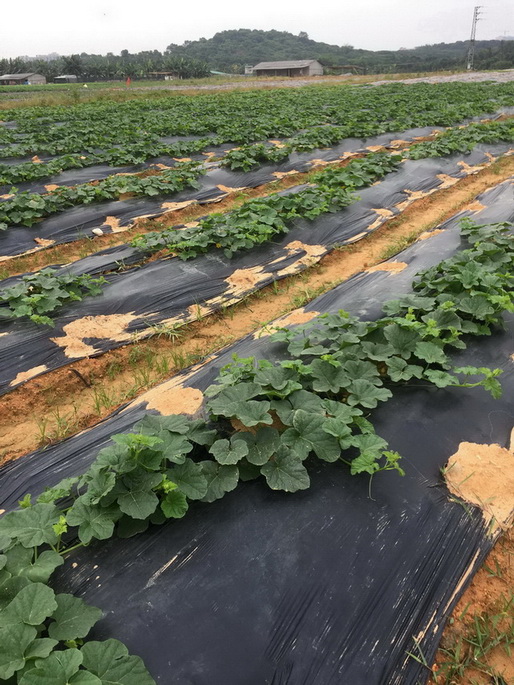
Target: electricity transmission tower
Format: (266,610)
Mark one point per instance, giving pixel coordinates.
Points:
(471,51)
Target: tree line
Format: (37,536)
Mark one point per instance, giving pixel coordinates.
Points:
(109,67)
(230,51)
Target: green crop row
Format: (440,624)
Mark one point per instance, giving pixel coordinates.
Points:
(243,118)
(461,139)
(257,221)
(265,420)
(260,220)
(464,139)
(41,293)
(134,153)
(28,208)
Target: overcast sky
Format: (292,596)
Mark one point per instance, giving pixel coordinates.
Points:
(99,26)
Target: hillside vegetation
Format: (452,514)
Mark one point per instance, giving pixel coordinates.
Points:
(231,50)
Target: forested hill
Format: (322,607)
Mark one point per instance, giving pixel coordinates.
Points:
(231,50)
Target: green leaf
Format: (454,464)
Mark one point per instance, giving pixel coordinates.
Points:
(399,370)
(118,458)
(402,340)
(444,319)
(199,433)
(153,424)
(85,678)
(32,605)
(340,429)
(17,559)
(369,442)
(174,447)
(33,526)
(340,410)
(440,379)
(283,381)
(59,491)
(367,462)
(40,648)
(60,668)
(261,446)
(111,662)
(357,369)
(326,377)
(366,394)
(101,482)
(73,618)
(9,588)
(190,479)
(5,540)
(137,498)
(301,399)
(220,479)
(286,472)
(138,503)
(430,352)
(93,521)
(226,452)
(14,641)
(307,435)
(253,412)
(174,505)
(477,305)
(230,400)
(493,386)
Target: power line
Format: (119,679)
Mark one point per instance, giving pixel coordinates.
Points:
(471,51)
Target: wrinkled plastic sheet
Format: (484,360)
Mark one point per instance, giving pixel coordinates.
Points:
(323,586)
(78,222)
(170,290)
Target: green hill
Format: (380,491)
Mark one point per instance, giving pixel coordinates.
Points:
(231,50)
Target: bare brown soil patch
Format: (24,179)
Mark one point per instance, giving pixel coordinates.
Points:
(476,645)
(172,398)
(59,403)
(484,605)
(103,327)
(484,476)
(393,267)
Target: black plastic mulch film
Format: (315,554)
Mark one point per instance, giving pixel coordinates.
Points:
(326,586)
(171,291)
(78,222)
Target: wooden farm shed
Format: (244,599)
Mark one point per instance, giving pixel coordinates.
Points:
(299,67)
(22,79)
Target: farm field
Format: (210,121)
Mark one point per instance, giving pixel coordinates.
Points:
(256,373)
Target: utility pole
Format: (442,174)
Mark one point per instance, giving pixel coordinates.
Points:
(471,51)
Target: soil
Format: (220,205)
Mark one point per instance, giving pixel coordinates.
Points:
(62,402)
(103,327)
(173,398)
(482,475)
(486,599)
(474,76)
